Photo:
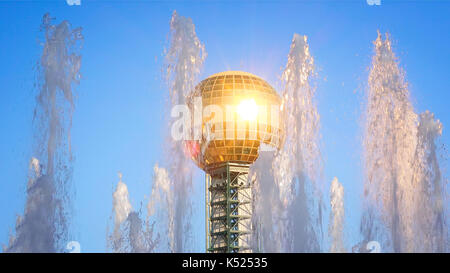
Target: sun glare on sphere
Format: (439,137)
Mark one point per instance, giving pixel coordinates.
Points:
(247,110)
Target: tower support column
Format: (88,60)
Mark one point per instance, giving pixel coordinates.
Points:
(228,208)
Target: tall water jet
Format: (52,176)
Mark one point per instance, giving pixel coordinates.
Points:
(268,209)
(130,234)
(184,60)
(121,208)
(44,225)
(403,191)
(297,168)
(432,230)
(161,204)
(336,226)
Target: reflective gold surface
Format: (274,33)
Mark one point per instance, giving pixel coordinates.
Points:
(236,133)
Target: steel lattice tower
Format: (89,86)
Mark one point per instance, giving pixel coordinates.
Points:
(230,142)
(229,208)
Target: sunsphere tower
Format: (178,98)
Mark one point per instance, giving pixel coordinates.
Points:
(240,117)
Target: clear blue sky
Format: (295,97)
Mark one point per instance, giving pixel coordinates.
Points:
(118,121)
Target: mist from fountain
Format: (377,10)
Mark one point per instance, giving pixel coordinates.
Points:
(288,189)
(44,226)
(130,234)
(405,205)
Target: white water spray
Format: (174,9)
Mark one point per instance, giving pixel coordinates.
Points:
(161,202)
(184,60)
(130,234)
(267,206)
(337,215)
(169,207)
(295,221)
(403,191)
(44,225)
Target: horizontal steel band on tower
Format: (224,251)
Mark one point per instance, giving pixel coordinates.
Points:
(229,208)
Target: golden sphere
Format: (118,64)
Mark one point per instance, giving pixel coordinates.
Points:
(240,111)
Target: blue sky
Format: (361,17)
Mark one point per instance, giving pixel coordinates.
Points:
(118,124)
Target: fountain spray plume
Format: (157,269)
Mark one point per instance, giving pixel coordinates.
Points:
(267,206)
(169,205)
(162,203)
(297,168)
(337,215)
(432,229)
(403,191)
(130,234)
(44,225)
(184,60)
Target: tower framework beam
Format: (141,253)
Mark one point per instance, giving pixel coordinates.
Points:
(228,208)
